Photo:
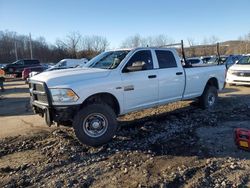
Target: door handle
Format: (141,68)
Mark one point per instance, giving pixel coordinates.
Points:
(151,76)
(179,73)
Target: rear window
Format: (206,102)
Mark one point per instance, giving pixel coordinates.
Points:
(165,59)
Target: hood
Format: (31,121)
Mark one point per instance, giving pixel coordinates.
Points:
(67,76)
(240,67)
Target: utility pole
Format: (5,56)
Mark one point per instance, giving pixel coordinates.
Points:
(16,50)
(31,52)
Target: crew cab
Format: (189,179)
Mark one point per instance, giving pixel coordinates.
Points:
(117,82)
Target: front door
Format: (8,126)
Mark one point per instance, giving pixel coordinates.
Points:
(140,87)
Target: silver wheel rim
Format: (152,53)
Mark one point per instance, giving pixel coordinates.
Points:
(211,99)
(95,125)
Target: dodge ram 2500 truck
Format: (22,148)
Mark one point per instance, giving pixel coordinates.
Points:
(117,82)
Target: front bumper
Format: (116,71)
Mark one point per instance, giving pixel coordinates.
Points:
(55,113)
(41,103)
(232,79)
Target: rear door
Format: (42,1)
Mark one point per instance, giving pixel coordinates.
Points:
(171,76)
(140,88)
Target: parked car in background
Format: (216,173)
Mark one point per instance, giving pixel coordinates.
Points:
(227,60)
(215,60)
(63,64)
(70,63)
(27,71)
(18,66)
(195,61)
(205,59)
(232,59)
(239,73)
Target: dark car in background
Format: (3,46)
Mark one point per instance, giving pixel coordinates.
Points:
(231,60)
(227,60)
(18,66)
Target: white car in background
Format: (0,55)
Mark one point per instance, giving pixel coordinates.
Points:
(71,63)
(195,61)
(239,73)
(64,64)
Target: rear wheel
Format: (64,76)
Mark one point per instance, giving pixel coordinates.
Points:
(95,124)
(209,97)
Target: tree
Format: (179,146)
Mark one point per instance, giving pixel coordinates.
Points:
(133,42)
(192,48)
(71,43)
(138,41)
(94,43)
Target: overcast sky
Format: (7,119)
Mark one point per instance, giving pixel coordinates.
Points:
(116,20)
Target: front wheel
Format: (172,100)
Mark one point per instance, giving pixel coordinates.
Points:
(209,97)
(95,124)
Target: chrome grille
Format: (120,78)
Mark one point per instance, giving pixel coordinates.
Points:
(241,73)
(38,92)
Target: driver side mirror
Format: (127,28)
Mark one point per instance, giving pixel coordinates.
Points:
(136,66)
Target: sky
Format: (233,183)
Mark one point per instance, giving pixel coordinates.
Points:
(118,19)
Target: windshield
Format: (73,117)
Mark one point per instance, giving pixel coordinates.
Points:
(17,62)
(107,60)
(61,63)
(244,61)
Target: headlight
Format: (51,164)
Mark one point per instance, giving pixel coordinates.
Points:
(63,95)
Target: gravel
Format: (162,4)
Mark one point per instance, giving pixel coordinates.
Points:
(176,145)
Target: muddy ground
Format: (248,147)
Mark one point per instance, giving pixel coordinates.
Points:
(177,145)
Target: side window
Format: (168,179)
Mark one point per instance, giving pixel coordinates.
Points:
(31,62)
(35,62)
(142,56)
(165,59)
(26,62)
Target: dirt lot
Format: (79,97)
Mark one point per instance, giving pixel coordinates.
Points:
(177,145)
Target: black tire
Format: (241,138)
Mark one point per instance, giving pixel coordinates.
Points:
(209,97)
(105,117)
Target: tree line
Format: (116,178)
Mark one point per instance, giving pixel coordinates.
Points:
(15,46)
(74,45)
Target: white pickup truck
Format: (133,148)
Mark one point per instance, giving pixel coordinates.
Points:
(118,82)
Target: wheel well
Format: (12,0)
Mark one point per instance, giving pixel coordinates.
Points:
(106,98)
(213,82)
